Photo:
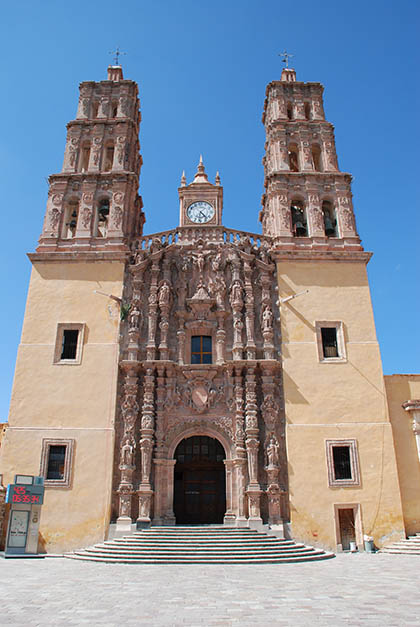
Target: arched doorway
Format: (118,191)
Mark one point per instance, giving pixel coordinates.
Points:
(199,481)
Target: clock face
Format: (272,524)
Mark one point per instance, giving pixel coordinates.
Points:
(200,212)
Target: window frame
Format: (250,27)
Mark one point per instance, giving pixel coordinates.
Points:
(69,326)
(68,462)
(341,345)
(354,463)
(201,352)
(199,327)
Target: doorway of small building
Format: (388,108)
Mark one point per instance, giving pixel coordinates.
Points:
(199,481)
(347,527)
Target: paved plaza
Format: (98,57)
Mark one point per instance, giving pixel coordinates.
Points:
(353,589)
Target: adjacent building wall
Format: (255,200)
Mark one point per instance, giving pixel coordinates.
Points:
(399,389)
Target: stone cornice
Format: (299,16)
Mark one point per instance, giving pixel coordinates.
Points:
(92,176)
(265,364)
(321,255)
(76,256)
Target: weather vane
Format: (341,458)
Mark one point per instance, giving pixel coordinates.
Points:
(285,57)
(117,52)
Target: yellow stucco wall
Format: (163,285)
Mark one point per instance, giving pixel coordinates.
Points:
(401,388)
(40,407)
(343,400)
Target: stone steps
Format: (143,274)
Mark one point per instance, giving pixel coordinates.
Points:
(199,545)
(410,546)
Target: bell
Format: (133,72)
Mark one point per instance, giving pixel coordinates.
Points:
(74,214)
(103,212)
(329,227)
(72,224)
(300,229)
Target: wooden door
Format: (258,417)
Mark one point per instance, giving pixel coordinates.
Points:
(347,529)
(200,494)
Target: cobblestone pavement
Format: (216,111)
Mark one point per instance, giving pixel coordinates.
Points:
(353,589)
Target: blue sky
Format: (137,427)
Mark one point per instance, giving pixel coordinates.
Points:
(202,70)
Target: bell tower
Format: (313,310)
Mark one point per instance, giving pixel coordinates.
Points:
(331,365)
(307,202)
(93,203)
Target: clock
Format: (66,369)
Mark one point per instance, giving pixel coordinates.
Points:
(200,212)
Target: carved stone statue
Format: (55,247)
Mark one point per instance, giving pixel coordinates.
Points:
(127,454)
(236,294)
(273,452)
(267,319)
(164,294)
(134,317)
(216,264)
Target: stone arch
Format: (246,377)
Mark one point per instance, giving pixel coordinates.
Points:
(199,429)
(200,485)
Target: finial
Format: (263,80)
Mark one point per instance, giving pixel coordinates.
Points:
(183,179)
(201,176)
(117,52)
(285,57)
(217,179)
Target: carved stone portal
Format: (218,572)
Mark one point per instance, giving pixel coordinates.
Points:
(223,291)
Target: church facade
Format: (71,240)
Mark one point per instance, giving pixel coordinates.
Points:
(207,375)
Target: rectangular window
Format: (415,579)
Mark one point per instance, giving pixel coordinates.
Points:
(56,462)
(330,341)
(342,463)
(201,349)
(56,459)
(69,343)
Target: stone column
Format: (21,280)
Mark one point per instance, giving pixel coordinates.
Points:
(274,452)
(252,445)
(85,220)
(315,217)
(145,492)
(129,412)
(306,152)
(237,304)
(267,316)
(181,337)
(159,471)
(229,517)
(345,217)
(413,407)
(170,516)
(220,337)
(165,307)
(249,312)
(116,215)
(240,451)
(152,315)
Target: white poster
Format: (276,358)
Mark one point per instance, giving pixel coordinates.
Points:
(18,528)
